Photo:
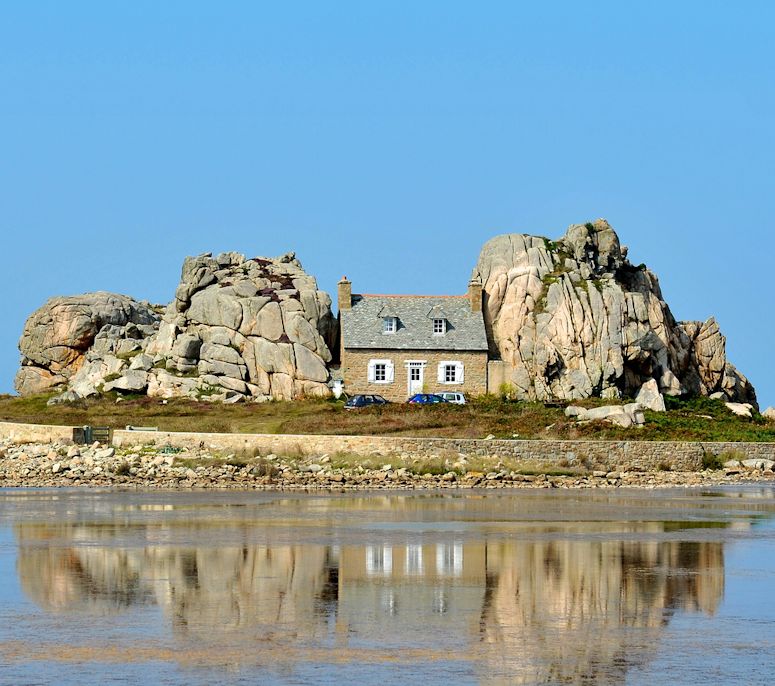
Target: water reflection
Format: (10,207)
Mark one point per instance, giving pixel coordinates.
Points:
(584,605)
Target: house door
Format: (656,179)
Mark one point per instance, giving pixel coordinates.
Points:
(415,377)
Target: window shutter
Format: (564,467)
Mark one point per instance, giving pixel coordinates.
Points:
(440,376)
(371,375)
(459,372)
(389,372)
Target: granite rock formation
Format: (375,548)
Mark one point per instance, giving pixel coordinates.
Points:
(569,319)
(256,328)
(573,318)
(237,329)
(68,334)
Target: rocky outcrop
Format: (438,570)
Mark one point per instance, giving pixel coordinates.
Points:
(570,319)
(67,334)
(238,328)
(257,328)
(574,318)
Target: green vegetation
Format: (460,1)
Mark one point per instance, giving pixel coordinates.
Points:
(701,419)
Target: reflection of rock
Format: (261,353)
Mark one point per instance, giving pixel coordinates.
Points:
(226,589)
(572,609)
(103,580)
(575,611)
(200,589)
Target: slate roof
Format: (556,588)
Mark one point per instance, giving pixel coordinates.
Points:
(362,324)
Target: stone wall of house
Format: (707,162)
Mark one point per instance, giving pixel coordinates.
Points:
(355,364)
(620,455)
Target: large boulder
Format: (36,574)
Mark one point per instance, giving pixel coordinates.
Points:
(255,327)
(60,337)
(573,318)
(650,397)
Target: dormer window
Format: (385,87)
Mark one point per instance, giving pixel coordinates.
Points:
(439,327)
(389,324)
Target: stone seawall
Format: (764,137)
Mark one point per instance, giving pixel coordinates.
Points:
(630,455)
(35,433)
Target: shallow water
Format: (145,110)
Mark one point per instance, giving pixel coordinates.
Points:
(526,587)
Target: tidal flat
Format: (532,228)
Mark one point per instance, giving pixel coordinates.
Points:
(616,586)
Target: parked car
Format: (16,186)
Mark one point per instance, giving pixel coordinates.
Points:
(426,399)
(453,397)
(358,401)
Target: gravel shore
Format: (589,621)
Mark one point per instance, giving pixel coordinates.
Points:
(48,465)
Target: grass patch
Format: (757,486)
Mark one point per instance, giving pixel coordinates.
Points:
(701,420)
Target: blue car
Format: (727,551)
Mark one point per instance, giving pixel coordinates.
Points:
(426,399)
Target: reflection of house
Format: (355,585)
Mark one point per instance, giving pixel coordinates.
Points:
(396,345)
(402,594)
(532,610)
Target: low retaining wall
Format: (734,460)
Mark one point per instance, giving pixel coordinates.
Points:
(643,455)
(35,433)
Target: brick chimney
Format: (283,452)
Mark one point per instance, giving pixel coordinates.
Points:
(475,294)
(344,294)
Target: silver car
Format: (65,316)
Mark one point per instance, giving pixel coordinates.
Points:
(453,397)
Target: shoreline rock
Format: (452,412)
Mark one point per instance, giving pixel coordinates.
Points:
(58,465)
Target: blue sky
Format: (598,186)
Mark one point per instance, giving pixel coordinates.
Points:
(387,141)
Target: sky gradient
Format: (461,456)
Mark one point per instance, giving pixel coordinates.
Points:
(387,141)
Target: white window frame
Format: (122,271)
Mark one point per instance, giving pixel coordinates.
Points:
(441,324)
(389,325)
(458,373)
(379,560)
(413,564)
(371,371)
(449,559)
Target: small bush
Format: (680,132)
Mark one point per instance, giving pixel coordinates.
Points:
(264,468)
(727,455)
(122,469)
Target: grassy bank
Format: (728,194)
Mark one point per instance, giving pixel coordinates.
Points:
(697,420)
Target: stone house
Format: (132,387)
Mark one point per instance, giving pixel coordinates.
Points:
(399,345)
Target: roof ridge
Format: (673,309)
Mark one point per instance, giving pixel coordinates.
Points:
(404,295)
